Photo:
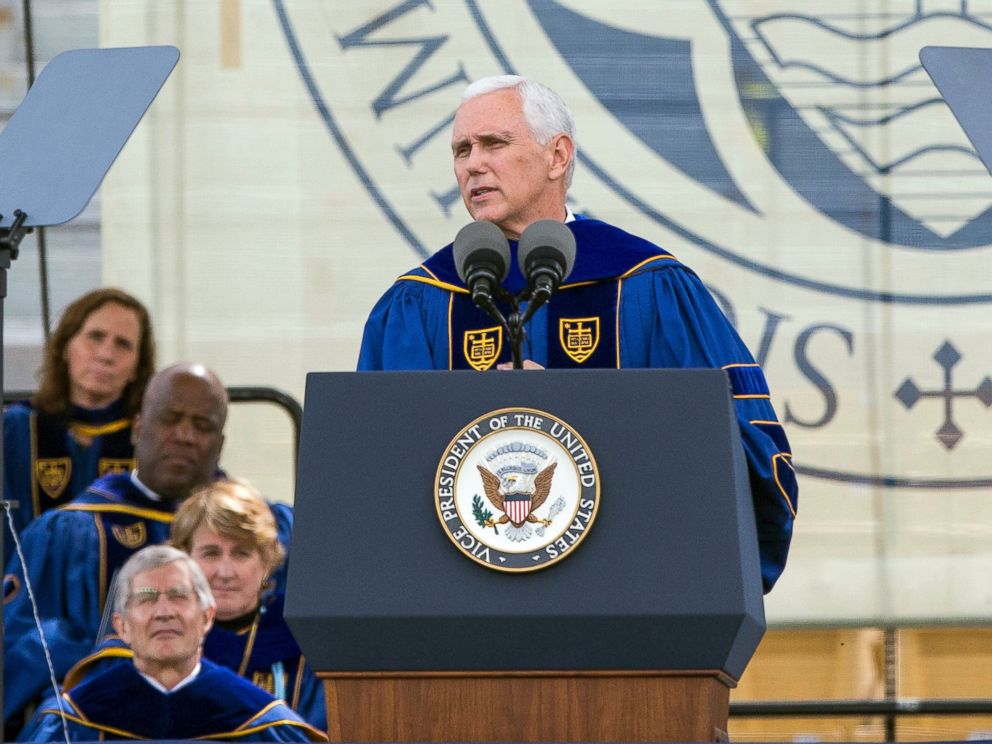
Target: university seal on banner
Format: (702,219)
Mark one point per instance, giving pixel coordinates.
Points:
(517,489)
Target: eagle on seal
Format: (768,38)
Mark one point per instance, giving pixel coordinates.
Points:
(496,492)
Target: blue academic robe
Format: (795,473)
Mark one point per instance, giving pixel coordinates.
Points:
(627,304)
(118,703)
(263,652)
(266,653)
(72,555)
(45,466)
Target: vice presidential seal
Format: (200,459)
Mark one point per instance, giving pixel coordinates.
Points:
(517,489)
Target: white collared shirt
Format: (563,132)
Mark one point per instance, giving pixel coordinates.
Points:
(182,683)
(142,487)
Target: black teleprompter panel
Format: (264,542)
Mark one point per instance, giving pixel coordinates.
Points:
(667,578)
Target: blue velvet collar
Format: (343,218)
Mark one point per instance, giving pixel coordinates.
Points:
(216,702)
(271,640)
(118,490)
(604,252)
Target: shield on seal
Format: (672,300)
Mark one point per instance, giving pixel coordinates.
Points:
(517,507)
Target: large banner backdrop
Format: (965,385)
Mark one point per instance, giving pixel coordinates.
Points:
(795,154)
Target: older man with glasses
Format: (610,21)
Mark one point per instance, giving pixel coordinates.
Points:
(163,610)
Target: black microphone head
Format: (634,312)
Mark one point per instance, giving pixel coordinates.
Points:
(481,242)
(547,241)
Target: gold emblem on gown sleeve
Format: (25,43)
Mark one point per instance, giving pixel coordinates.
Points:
(115,465)
(579,337)
(131,535)
(53,474)
(482,347)
(265,680)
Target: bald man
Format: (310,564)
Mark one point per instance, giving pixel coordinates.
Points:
(72,553)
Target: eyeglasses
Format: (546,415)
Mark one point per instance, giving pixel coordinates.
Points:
(146,596)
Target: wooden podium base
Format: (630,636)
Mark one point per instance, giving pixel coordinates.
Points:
(528,706)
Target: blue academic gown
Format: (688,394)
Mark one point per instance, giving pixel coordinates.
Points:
(118,703)
(73,553)
(627,304)
(263,652)
(45,466)
(266,653)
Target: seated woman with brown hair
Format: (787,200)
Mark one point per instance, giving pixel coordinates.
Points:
(228,528)
(77,426)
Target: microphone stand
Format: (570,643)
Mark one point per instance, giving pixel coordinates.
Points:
(513,325)
(515,332)
(518,321)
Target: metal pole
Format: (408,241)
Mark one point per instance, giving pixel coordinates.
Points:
(42,241)
(890,641)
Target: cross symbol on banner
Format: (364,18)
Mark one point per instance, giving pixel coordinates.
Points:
(909,394)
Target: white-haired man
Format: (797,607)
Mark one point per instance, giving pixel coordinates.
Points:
(163,610)
(513,143)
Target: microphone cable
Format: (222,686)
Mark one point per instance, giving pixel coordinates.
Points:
(37,622)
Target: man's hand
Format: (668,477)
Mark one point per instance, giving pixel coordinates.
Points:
(528,364)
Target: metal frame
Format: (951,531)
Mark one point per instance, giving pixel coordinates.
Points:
(887,708)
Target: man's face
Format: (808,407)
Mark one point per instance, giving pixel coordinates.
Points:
(179,434)
(504,175)
(163,621)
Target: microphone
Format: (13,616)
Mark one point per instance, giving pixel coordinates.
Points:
(482,258)
(546,255)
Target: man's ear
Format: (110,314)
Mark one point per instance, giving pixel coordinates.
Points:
(220,449)
(120,627)
(208,620)
(562,153)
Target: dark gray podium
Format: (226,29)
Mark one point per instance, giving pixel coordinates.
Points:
(637,635)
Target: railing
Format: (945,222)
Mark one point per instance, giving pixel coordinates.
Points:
(887,708)
(287,402)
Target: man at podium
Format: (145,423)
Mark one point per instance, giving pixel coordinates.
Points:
(627,302)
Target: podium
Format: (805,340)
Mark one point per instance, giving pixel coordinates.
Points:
(637,634)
